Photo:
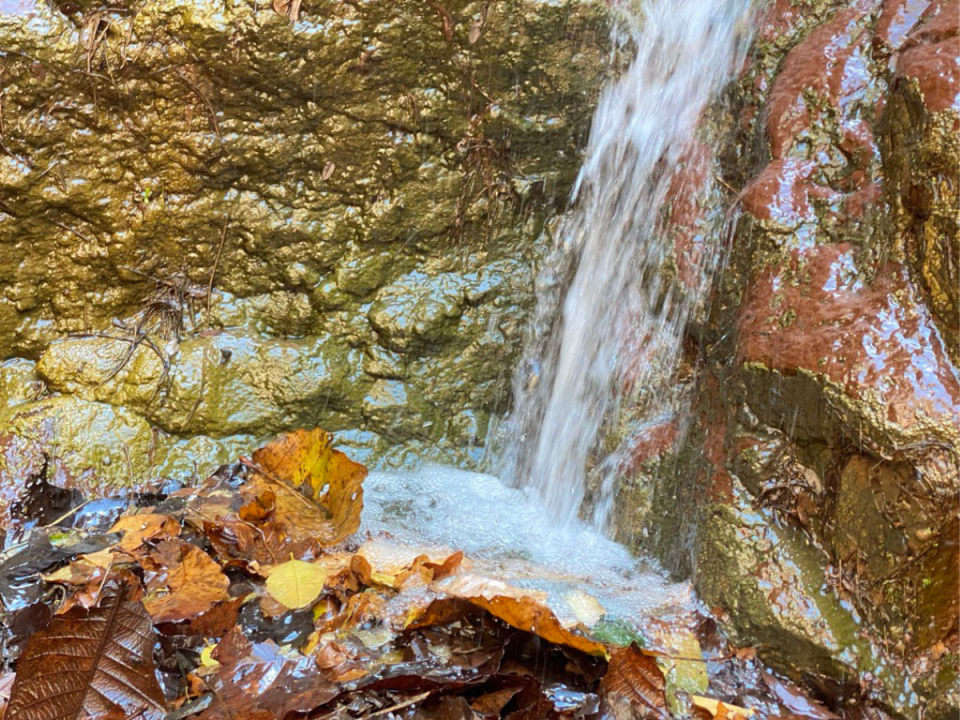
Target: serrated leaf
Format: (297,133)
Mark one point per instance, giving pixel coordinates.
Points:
(634,686)
(96,662)
(296,584)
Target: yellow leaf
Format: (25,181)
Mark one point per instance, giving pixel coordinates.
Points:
(307,457)
(719,710)
(206,656)
(296,584)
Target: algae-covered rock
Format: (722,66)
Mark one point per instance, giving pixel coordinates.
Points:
(770,581)
(217,384)
(921,150)
(19,382)
(97,444)
(321,176)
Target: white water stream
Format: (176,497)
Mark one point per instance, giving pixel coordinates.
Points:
(599,292)
(601,297)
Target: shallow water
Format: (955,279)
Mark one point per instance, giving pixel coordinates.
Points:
(508,534)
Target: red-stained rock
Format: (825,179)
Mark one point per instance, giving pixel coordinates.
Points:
(686,213)
(876,340)
(896,20)
(781,193)
(830,63)
(929,56)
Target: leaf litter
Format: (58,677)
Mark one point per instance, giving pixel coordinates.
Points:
(252,595)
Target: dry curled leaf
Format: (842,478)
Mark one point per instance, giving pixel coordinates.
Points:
(634,686)
(523,609)
(90,663)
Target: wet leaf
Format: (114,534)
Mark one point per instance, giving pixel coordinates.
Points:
(634,686)
(585,606)
(307,458)
(183,582)
(792,698)
(522,609)
(260,677)
(719,710)
(296,584)
(142,528)
(96,662)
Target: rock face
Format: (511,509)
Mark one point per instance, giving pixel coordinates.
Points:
(220,222)
(813,490)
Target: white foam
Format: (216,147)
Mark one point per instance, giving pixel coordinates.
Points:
(513,537)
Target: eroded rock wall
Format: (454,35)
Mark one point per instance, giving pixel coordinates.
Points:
(362,187)
(813,489)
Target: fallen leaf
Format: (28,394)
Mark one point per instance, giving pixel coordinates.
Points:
(585,606)
(520,608)
(142,528)
(720,710)
(182,581)
(791,697)
(327,171)
(296,584)
(634,686)
(96,662)
(307,458)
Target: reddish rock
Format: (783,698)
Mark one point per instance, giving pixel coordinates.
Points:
(896,20)
(831,63)
(929,56)
(818,314)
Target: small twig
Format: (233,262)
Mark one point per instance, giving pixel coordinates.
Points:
(67,514)
(406,703)
(213,270)
(203,98)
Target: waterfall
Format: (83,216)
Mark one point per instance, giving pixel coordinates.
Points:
(604,307)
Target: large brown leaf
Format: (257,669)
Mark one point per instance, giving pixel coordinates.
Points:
(523,609)
(634,687)
(94,663)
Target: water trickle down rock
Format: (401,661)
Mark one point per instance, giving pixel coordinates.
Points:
(836,429)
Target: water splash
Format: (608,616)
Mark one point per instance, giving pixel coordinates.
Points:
(604,304)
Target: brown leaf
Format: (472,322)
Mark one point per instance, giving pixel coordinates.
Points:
(792,698)
(634,686)
(257,677)
(182,581)
(96,663)
(523,609)
(307,458)
(142,528)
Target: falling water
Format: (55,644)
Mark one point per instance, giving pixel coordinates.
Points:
(604,305)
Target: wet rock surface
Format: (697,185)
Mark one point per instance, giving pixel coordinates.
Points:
(813,487)
(217,222)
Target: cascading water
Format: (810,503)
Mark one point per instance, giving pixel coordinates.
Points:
(602,295)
